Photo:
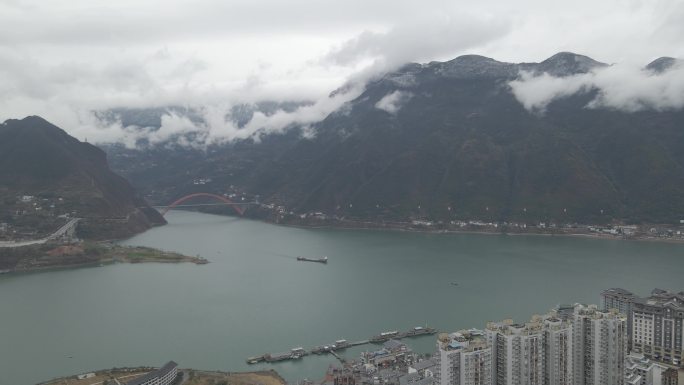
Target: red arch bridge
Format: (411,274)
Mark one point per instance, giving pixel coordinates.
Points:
(239,207)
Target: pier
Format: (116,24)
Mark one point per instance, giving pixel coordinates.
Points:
(299,353)
(338,357)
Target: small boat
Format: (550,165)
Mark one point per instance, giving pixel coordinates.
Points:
(320,349)
(454,284)
(419,330)
(320,260)
(255,360)
(384,336)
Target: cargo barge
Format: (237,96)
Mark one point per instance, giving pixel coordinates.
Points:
(319,260)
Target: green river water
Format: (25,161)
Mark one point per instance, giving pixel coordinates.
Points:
(255,297)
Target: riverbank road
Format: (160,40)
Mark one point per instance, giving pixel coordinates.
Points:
(67,229)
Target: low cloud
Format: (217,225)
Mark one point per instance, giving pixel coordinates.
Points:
(211,124)
(64,60)
(73,95)
(393,101)
(621,87)
(217,129)
(535,93)
(422,40)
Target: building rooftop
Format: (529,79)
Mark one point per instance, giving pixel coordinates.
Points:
(636,365)
(664,298)
(169,366)
(467,340)
(617,291)
(425,364)
(666,294)
(535,326)
(425,381)
(593,312)
(409,378)
(455,345)
(394,345)
(389,374)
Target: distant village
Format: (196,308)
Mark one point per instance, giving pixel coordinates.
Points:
(618,231)
(281,214)
(30,216)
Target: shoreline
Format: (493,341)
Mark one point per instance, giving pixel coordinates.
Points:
(62,257)
(267,377)
(379,227)
(116,253)
(640,236)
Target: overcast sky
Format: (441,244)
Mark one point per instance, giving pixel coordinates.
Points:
(63,59)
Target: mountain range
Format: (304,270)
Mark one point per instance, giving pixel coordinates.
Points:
(444,140)
(452,141)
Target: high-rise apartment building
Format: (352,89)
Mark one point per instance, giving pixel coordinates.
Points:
(599,346)
(518,351)
(658,326)
(617,298)
(465,358)
(558,361)
(622,300)
(537,352)
(586,347)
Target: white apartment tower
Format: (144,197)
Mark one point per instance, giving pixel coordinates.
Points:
(518,352)
(558,359)
(622,300)
(465,358)
(599,346)
(536,353)
(584,347)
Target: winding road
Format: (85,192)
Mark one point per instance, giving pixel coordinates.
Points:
(69,226)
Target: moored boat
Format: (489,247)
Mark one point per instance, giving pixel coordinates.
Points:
(384,336)
(320,260)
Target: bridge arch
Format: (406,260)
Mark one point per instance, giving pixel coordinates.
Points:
(235,206)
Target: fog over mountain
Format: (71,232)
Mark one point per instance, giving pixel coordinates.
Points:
(622,87)
(656,86)
(69,61)
(324,163)
(470,137)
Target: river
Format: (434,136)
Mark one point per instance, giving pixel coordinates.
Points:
(255,297)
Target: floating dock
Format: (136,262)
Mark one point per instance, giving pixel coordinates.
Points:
(299,352)
(395,335)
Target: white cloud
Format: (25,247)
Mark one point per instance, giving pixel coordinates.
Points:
(63,59)
(632,89)
(393,101)
(214,125)
(67,93)
(424,39)
(536,92)
(622,87)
